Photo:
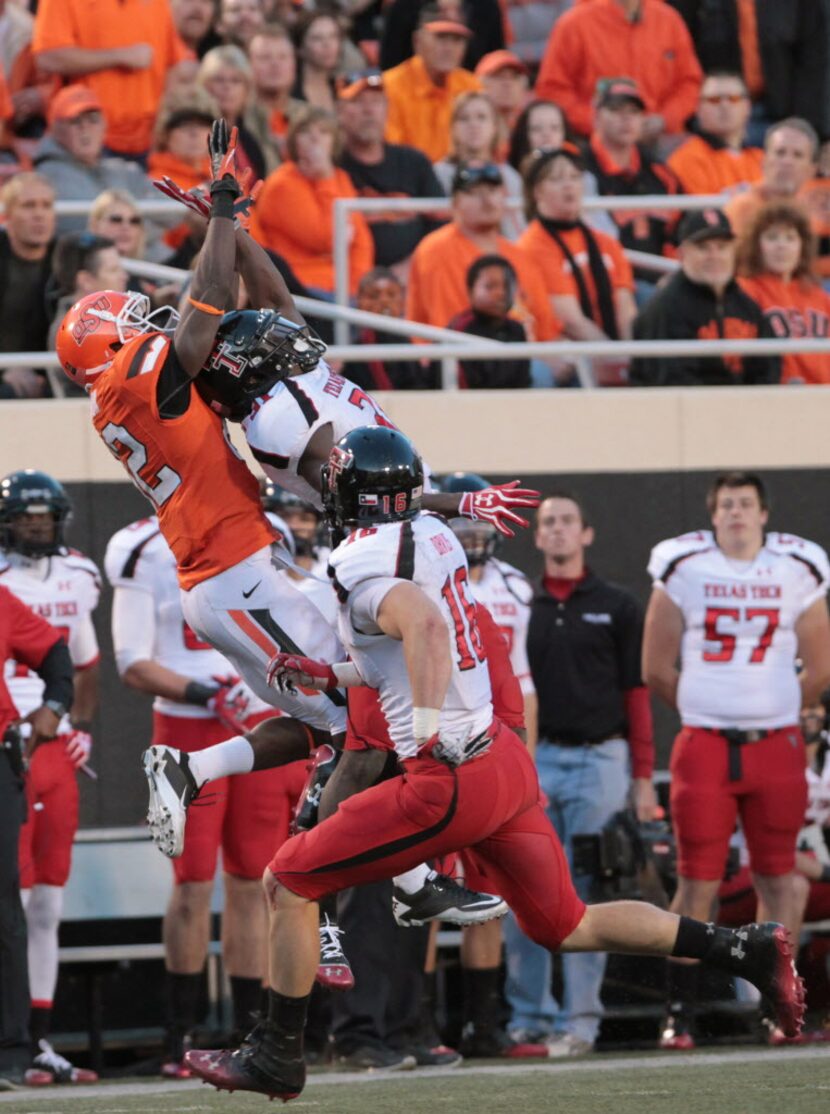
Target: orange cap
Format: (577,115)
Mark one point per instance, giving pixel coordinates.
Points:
(72,101)
(499,60)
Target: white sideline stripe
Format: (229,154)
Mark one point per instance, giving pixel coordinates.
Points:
(591,1064)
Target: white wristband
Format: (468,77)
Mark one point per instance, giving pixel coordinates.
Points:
(347,674)
(425,722)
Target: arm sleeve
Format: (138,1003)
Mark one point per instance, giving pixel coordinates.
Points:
(558,79)
(133,627)
(629,639)
(55,26)
(365,601)
(83,644)
(682,103)
(55,670)
(640,731)
(507,695)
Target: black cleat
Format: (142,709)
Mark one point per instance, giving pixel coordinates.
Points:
(260,1064)
(763,954)
(323,764)
(443,899)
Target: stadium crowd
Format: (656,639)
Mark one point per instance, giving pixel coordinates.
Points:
(517,112)
(403,99)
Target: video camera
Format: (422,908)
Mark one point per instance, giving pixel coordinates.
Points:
(633,859)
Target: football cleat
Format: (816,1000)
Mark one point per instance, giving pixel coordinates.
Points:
(676,1032)
(172,788)
(261,1064)
(443,899)
(50,1067)
(763,954)
(334,970)
(490,1043)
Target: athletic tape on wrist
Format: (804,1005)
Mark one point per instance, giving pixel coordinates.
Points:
(425,722)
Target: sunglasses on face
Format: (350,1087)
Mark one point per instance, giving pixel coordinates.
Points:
(724,98)
(119,218)
(473,175)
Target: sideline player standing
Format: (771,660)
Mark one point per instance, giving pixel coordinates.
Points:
(735,607)
(198,703)
(62,586)
(409,624)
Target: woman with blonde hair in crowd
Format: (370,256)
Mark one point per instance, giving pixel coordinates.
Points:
(474,140)
(776,260)
(294,213)
(114,214)
(225,73)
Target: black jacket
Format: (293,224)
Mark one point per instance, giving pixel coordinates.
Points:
(682,310)
(794,43)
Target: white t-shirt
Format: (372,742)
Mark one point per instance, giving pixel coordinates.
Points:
(365,568)
(147,619)
(506,593)
(63,590)
(739,643)
(280,427)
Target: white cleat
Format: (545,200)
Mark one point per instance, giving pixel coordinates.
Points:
(172,788)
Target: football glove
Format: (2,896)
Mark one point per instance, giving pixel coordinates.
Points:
(78,747)
(231,702)
(288,672)
(493,505)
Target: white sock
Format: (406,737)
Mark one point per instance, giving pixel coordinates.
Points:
(413,880)
(234,756)
(43,916)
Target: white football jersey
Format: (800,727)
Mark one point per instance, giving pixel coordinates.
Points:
(506,593)
(281,425)
(739,643)
(63,590)
(365,567)
(138,559)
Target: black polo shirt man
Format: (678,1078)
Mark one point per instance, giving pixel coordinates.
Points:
(583,643)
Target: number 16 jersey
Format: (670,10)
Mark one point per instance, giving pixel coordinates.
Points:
(739,641)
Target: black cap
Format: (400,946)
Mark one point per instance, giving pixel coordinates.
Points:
(613,91)
(466,176)
(705,224)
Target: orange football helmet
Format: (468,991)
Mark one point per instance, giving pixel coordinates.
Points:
(95,327)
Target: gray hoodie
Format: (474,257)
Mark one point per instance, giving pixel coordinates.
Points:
(77,181)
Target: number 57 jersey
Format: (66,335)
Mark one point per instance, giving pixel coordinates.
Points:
(739,640)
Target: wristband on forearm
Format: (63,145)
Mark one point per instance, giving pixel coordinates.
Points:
(223,194)
(197,693)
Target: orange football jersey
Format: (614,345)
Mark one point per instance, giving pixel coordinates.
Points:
(205,496)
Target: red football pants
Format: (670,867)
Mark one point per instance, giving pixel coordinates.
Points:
(770,797)
(247,816)
(491,804)
(45,851)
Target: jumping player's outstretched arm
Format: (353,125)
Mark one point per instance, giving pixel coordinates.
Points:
(265,285)
(214,277)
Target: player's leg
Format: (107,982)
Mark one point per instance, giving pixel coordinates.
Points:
(704,809)
(54,807)
(772,814)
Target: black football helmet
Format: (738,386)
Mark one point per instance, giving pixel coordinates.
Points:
(290,507)
(373,475)
(28,493)
(479,540)
(253,350)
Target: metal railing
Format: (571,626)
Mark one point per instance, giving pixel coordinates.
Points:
(344,206)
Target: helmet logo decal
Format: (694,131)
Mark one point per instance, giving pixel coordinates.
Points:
(90,321)
(224,360)
(339,459)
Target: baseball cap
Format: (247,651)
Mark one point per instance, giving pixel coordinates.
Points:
(73,101)
(499,60)
(705,224)
(433,19)
(466,177)
(613,90)
(348,86)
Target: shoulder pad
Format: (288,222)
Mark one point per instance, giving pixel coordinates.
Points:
(668,554)
(128,545)
(812,556)
(379,551)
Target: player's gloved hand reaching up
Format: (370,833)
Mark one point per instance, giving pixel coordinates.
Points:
(495,506)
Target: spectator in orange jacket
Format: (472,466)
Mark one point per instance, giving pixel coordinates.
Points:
(122,49)
(775,265)
(643,39)
(181,144)
(294,213)
(437,289)
(422,89)
(716,159)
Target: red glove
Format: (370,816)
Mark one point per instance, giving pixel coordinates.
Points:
(493,504)
(230,704)
(288,672)
(78,748)
(198,201)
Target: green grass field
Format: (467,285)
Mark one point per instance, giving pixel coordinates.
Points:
(777,1082)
